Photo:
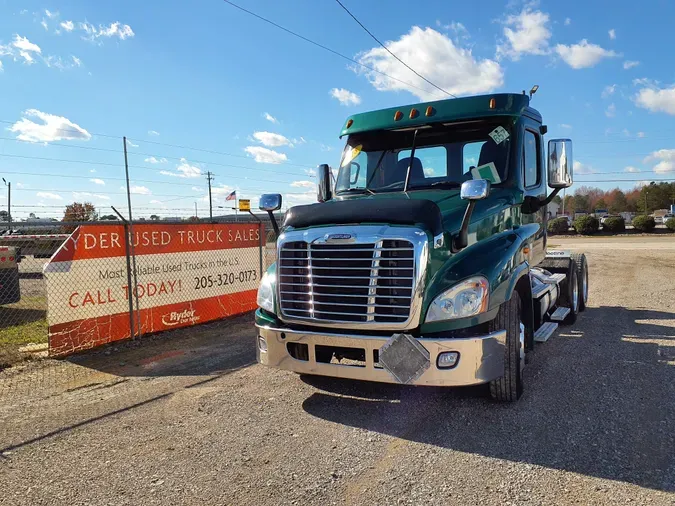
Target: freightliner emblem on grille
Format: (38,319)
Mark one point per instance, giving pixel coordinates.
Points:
(338,237)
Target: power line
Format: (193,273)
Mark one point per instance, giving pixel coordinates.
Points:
(295,34)
(621,180)
(392,54)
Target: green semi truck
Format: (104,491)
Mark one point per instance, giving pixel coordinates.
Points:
(424,261)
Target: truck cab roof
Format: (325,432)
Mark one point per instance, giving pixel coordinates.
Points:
(441,111)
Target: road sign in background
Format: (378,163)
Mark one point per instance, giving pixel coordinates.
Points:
(244,205)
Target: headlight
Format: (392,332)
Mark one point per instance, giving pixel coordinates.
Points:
(468,298)
(266,292)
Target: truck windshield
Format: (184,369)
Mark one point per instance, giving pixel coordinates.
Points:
(445,156)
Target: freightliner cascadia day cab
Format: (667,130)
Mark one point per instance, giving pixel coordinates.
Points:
(424,261)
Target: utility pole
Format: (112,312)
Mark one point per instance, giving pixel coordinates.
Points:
(209,178)
(196,215)
(9,203)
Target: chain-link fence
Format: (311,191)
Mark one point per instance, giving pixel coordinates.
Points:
(108,281)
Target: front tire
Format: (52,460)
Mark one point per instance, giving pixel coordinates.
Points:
(569,296)
(509,387)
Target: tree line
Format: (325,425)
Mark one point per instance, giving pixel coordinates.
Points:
(644,200)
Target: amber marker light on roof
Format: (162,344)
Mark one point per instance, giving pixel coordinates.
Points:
(398,115)
(430,111)
(350,123)
(413,113)
(493,103)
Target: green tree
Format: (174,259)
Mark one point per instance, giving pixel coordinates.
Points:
(569,204)
(581,204)
(619,203)
(557,200)
(600,204)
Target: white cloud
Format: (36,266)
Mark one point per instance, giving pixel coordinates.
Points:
(131,144)
(153,132)
(612,34)
(44,24)
(303,184)
(51,14)
(152,159)
(435,56)
(665,159)
(60,63)
(657,100)
(21,185)
(26,49)
(611,111)
(565,125)
(608,90)
(641,135)
(92,170)
(270,118)
(625,132)
(271,139)
(296,199)
(0,66)
(310,172)
(526,33)
(197,189)
(568,21)
(156,202)
(429,171)
(583,54)
(49,195)
(629,64)
(582,168)
(184,169)
(97,181)
(68,26)
(138,190)
(631,169)
(645,81)
(115,29)
(81,195)
(52,128)
(345,97)
(264,155)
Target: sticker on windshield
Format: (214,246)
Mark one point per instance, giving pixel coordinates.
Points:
(351,154)
(487,171)
(499,135)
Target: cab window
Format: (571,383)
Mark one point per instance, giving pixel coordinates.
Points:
(531,159)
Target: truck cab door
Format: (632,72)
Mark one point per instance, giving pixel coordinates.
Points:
(533,183)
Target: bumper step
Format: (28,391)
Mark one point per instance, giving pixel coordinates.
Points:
(560,314)
(545,331)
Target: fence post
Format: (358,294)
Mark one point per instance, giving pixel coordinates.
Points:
(134,291)
(262,246)
(127,251)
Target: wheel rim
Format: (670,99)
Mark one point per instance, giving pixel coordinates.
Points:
(522,347)
(575,296)
(584,285)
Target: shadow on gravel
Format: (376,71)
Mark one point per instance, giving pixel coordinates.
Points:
(599,402)
(211,348)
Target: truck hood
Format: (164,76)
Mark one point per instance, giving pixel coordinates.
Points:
(434,210)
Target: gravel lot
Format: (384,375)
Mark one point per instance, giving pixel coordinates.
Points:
(188,418)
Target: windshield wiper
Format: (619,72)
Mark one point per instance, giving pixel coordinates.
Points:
(355,190)
(437,184)
(412,158)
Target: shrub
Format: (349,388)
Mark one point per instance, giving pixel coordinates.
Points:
(644,223)
(586,225)
(670,223)
(615,224)
(558,226)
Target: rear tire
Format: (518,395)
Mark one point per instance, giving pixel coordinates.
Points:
(581,265)
(509,387)
(569,296)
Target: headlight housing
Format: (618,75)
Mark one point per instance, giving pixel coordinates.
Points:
(265,297)
(468,298)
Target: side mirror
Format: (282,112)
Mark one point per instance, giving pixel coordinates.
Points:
(475,189)
(324,188)
(560,163)
(270,202)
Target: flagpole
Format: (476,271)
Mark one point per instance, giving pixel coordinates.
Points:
(236,207)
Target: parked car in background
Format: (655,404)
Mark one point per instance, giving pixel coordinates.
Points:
(658,220)
(604,218)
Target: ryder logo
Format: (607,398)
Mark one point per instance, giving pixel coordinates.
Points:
(177,318)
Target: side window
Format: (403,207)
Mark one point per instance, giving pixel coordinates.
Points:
(471,155)
(434,160)
(531,159)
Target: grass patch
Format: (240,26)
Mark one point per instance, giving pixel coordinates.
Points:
(20,324)
(24,333)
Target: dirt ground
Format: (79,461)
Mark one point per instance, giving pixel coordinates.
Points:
(189,418)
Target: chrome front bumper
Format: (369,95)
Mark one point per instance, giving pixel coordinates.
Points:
(481,359)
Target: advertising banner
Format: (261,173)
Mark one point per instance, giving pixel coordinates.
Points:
(186,274)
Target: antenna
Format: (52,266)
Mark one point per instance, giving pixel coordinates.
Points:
(534,90)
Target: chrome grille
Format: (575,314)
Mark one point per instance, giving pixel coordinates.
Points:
(351,283)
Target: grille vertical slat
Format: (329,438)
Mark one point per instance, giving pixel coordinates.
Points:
(353,283)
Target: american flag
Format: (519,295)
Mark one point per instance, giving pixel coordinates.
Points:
(232,196)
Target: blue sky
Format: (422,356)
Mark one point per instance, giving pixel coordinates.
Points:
(263,107)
